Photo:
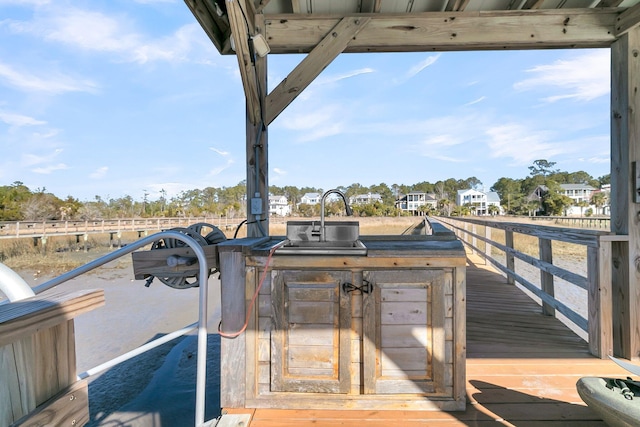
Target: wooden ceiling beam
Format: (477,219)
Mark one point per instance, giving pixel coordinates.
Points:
(628,20)
(334,43)
(446,31)
(241,31)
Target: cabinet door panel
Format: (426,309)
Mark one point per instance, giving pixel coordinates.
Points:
(402,322)
(310,339)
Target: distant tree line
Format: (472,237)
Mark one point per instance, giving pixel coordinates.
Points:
(19,203)
(516,194)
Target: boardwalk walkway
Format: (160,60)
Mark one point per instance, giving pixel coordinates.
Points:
(522,368)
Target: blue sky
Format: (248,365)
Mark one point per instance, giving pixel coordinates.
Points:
(115,97)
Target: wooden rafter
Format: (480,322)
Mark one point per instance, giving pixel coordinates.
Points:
(205,14)
(326,51)
(532,4)
(629,19)
(241,31)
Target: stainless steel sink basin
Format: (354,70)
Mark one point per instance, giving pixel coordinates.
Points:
(340,238)
(299,247)
(334,231)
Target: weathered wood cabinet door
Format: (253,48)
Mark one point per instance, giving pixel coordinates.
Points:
(404,331)
(310,342)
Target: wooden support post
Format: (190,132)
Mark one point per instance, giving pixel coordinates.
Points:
(257,160)
(625,209)
(600,310)
(509,259)
(546,278)
(233,312)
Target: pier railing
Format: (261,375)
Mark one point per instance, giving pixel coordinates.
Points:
(19,229)
(598,322)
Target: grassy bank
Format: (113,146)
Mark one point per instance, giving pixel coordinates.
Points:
(64,253)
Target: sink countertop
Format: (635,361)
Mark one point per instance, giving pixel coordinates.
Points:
(390,245)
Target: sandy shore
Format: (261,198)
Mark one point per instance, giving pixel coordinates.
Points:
(158,387)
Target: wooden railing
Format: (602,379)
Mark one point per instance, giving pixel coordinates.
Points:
(598,222)
(19,229)
(597,282)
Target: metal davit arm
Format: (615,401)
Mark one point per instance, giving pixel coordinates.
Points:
(202,312)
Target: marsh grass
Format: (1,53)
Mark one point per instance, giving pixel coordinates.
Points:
(529,245)
(58,253)
(64,253)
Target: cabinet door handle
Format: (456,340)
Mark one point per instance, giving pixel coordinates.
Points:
(367,287)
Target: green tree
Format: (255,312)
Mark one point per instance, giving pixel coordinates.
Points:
(554,203)
(599,199)
(542,167)
(510,192)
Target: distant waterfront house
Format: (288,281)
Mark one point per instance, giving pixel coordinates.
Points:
(493,199)
(413,202)
(479,201)
(363,199)
(310,198)
(279,205)
(578,193)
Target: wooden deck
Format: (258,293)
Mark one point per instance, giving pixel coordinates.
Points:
(522,368)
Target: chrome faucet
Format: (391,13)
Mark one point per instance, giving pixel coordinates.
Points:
(347,208)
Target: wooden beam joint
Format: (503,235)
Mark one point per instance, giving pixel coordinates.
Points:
(333,43)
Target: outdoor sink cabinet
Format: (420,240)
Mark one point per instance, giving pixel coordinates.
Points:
(379,329)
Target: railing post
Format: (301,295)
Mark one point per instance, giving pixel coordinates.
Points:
(487,246)
(465,235)
(509,259)
(546,278)
(474,241)
(600,301)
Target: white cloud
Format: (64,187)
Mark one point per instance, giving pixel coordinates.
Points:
(222,153)
(322,122)
(99,173)
(582,77)
(509,141)
(475,101)
(34,159)
(279,171)
(49,82)
(46,170)
(218,170)
(49,134)
(416,69)
(13,119)
(428,61)
(98,32)
(347,75)
(596,160)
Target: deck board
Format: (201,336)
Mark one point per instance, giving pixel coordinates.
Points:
(524,375)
